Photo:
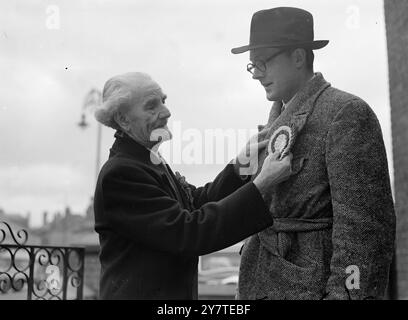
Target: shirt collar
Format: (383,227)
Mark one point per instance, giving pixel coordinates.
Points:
(285,105)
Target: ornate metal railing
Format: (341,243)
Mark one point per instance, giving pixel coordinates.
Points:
(45,272)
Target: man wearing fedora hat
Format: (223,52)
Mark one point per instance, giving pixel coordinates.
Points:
(334,221)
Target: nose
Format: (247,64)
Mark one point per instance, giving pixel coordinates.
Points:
(257,74)
(164,113)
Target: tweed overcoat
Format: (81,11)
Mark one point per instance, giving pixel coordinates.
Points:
(334,221)
(151,235)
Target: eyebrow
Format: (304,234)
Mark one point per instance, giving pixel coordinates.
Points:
(154,100)
(259,57)
(263,56)
(150,101)
(256,56)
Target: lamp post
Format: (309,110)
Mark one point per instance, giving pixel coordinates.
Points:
(91,101)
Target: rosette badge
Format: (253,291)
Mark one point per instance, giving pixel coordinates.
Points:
(281,141)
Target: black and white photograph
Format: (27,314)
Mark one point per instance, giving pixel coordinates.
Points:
(224,151)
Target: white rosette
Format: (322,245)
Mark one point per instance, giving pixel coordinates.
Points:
(281,141)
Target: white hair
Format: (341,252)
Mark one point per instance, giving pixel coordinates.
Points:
(117,96)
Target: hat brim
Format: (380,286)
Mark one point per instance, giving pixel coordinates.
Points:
(314,45)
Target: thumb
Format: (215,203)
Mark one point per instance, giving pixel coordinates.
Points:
(275,155)
(288,160)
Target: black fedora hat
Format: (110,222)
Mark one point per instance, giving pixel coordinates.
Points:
(282,27)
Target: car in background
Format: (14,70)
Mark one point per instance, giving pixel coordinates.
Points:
(218,273)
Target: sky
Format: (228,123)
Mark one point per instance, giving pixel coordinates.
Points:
(54,52)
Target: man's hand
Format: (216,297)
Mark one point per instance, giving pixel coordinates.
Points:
(246,163)
(273,172)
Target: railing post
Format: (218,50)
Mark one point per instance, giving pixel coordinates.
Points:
(81,274)
(65,275)
(30,281)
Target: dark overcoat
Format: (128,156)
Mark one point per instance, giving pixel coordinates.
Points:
(151,236)
(334,221)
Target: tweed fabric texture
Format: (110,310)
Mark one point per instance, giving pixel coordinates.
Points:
(336,210)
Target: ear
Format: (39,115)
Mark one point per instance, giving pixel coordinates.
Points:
(121,120)
(299,56)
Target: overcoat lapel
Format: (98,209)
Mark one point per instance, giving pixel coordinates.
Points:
(296,114)
(125,144)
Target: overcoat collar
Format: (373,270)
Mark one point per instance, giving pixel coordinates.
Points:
(125,144)
(298,111)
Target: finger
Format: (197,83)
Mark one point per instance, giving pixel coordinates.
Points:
(275,156)
(268,158)
(263,133)
(288,160)
(287,157)
(262,144)
(257,145)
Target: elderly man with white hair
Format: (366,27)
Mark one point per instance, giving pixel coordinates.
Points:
(152,228)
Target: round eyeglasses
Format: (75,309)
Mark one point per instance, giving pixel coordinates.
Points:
(261,64)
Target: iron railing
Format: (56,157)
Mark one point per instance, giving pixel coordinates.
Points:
(45,272)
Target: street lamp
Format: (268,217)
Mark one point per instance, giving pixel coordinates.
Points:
(83,124)
(92,100)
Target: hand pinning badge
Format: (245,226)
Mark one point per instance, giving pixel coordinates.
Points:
(281,141)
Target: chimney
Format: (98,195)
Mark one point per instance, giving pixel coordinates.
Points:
(45,218)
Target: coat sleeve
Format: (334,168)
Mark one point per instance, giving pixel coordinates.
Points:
(363,211)
(226,182)
(136,207)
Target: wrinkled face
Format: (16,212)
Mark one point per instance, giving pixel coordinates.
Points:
(148,114)
(280,78)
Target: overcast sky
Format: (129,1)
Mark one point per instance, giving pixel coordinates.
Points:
(54,52)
